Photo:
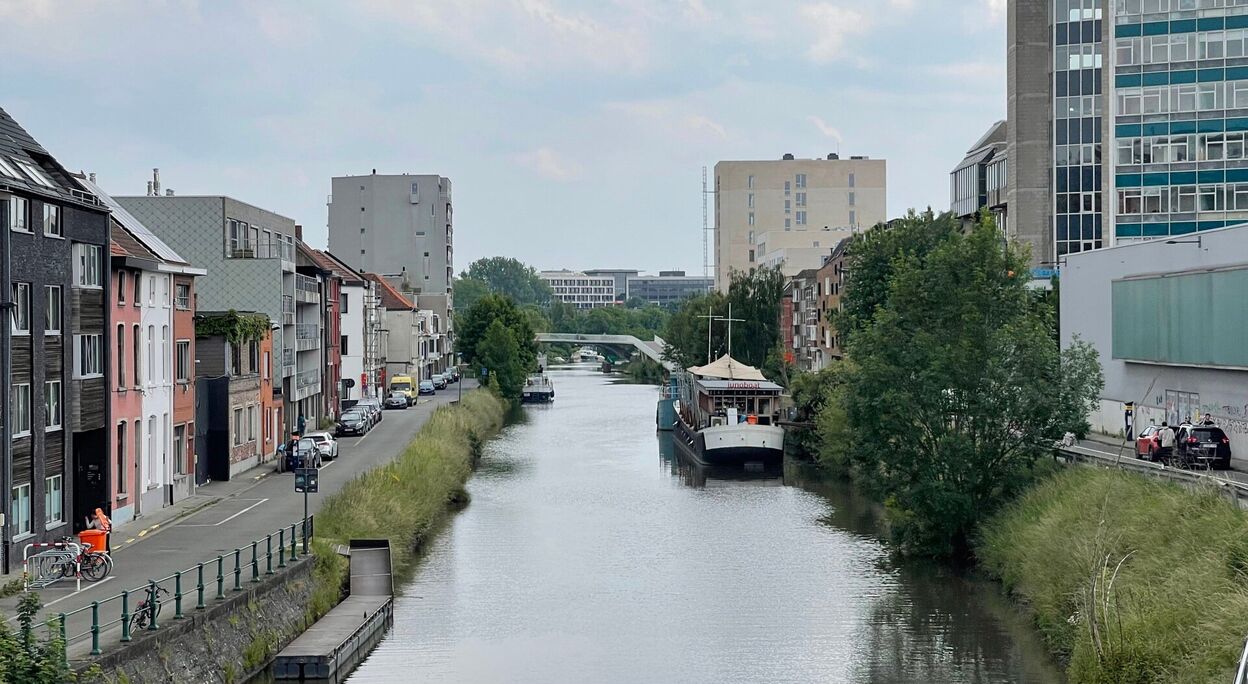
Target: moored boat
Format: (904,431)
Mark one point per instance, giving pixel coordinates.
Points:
(727,414)
(538,389)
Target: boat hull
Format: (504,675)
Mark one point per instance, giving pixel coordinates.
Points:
(731,444)
(537,397)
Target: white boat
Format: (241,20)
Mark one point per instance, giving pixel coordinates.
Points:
(585,354)
(727,414)
(538,389)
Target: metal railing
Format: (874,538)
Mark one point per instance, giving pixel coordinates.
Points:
(308,378)
(288,304)
(306,283)
(203,583)
(307,331)
(288,357)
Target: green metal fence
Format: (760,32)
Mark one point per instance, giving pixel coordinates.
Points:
(204,583)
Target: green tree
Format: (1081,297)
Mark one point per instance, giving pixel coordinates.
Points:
(957,385)
(24,657)
(510,277)
(474,322)
(686,331)
(500,353)
(755,299)
(468,291)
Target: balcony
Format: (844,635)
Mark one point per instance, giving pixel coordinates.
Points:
(310,378)
(288,362)
(307,336)
(288,310)
(307,290)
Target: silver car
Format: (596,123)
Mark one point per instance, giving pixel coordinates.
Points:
(325,444)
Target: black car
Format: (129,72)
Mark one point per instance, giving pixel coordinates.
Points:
(303,455)
(1203,446)
(371,408)
(397,400)
(352,422)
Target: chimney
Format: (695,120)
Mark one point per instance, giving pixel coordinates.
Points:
(374,172)
(299,232)
(149,188)
(169,192)
(156,181)
(787,157)
(91,177)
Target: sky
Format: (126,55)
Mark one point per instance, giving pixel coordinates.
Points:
(574,133)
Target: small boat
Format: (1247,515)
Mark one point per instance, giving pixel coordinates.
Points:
(538,389)
(727,414)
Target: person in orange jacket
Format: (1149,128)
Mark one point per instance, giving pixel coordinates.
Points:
(101,522)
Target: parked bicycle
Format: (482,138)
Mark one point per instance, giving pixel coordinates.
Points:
(94,565)
(148,610)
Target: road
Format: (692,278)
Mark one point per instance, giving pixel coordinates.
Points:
(249,513)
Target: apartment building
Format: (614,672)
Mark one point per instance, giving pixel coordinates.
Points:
(980,180)
(831,283)
(359,308)
(580,289)
(791,195)
(53,357)
(151,382)
(312,369)
(795,251)
(409,346)
(400,227)
(250,257)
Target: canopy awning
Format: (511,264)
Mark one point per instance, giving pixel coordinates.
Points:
(728,368)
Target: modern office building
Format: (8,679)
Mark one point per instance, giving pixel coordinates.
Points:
(249,254)
(980,180)
(1167,319)
(621,277)
(789,194)
(1055,59)
(1179,116)
(668,288)
(53,354)
(580,289)
(399,227)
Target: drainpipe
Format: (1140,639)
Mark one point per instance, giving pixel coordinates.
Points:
(6,376)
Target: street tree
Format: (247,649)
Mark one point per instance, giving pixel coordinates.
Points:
(957,386)
(490,309)
(500,354)
(510,277)
(468,291)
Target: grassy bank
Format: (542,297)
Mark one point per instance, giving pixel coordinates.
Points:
(1129,579)
(408,498)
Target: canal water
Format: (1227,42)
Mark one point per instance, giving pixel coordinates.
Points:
(592,553)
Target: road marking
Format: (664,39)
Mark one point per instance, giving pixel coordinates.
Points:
(326,465)
(130,540)
(216,524)
(142,532)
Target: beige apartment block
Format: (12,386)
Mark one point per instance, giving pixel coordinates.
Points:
(791,195)
(794,251)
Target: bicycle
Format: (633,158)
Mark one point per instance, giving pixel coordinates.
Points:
(94,565)
(148,610)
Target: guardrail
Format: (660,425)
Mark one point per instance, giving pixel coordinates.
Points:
(262,553)
(1238,491)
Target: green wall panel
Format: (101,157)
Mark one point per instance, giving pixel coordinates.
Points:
(1195,319)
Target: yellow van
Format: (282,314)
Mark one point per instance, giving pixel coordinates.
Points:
(404,384)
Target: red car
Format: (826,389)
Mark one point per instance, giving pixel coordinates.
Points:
(1148,443)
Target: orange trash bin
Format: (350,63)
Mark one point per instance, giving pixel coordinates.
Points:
(94,540)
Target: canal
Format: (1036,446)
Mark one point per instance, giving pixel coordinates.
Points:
(588,554)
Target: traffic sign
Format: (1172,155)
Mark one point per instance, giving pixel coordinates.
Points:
(307,480)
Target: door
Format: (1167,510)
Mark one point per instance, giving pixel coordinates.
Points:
(91,487)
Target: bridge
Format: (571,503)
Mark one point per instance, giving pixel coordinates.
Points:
(617,346)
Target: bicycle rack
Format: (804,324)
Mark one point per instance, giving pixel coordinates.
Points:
(52,555)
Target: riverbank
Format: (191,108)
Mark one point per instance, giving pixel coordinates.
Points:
(406,499)
(1129,579)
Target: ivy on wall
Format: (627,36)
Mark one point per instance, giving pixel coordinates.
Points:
(235,327)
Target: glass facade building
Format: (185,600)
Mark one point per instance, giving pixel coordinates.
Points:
(1078,61)
(1179,115)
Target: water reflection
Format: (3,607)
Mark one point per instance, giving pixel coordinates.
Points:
(578,561)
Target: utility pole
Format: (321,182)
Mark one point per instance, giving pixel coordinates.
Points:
(730,320)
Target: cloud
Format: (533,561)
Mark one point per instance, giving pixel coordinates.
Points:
(679,119)
(995,9)
(831,25)
(549,165)
(977,72)
(825,129)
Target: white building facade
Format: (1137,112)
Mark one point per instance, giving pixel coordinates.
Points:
(581,290)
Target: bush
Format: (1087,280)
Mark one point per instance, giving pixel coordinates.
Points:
(1132,579)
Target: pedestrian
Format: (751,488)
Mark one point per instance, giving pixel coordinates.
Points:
(101,522)
(1166,437)
(1207,420)
(301,423)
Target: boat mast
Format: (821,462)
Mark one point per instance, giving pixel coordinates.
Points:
(711,318)
(730,320)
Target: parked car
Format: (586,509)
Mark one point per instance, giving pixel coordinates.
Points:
(451,375)
(404,384)
(353,422)
(371,408)
(426,387)
(325,444)
(397,400)
(439,382)
(305,455)
(1148,443)
(1203,445)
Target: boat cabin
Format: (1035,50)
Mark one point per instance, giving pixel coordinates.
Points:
(728,392)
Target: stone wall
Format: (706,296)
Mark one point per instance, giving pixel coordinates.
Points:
(228,642)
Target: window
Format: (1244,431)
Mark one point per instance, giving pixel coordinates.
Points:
(36,174)
(151,290)
(121,287)
(7,169)
(19,209)
(236,359)
(52,221)
(87,265)
(52,499)
(852,199)
(151,353)
(182,296)
(121,356)
(121,457)
(342,303)
(238,426)
(251,423)
(801,218)
(164,292)
(184,361)
(138,445)
(138,290)
(787,186)
(179,449)
(21,510)
(88,356)
(268,365)
(150,464)
(19,413)
(750,201)
(342,345)
(253,357)
(751,182)
(138,356)
(52,405)
(853,217)
(52,310)
(164,353)
(800,180)
(21,308)
(801,199)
